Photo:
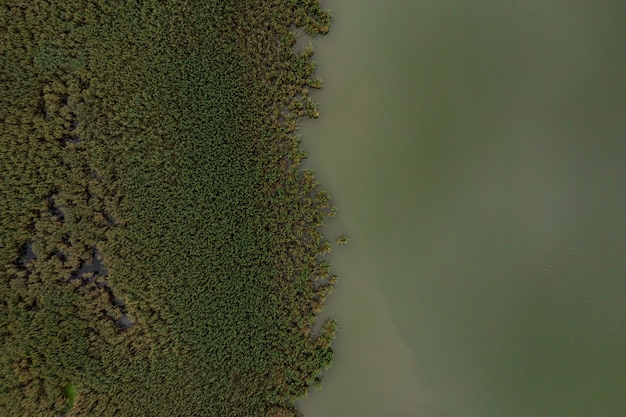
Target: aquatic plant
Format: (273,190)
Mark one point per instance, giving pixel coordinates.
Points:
(161,137)
(70,392)
(342,240)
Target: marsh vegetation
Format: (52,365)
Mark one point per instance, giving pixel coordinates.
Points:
(160,245)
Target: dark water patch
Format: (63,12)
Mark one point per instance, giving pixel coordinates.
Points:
(93,266)
(43,109)
(27,258)
(93,173)
(93,273)
(118,302)
(110,221)
(70,140)
(62,256)
(102,285)
(55,210)
(27,253)
(125,322)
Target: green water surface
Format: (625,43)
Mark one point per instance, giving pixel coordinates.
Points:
(476,150)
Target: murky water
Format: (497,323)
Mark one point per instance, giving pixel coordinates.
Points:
(477,153)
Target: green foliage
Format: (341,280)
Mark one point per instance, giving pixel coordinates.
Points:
(343,240)
(160,246)
(70,392)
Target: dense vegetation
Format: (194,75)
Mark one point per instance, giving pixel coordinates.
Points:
(160,245)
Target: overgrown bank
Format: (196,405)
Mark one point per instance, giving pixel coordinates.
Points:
(157,141)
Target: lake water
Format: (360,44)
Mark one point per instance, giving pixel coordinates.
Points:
(477,153)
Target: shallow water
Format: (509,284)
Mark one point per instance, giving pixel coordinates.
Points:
(476,152)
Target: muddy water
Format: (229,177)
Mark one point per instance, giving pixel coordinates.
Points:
(476,151)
